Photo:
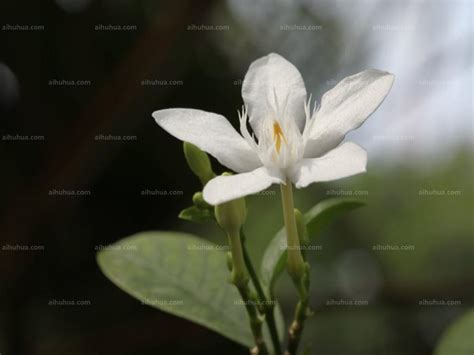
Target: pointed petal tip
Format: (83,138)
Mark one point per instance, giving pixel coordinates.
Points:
(386,75)
(157,115)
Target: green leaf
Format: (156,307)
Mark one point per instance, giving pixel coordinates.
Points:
(327,211)
(458,339)
(183,275)
(322,214)
(274,259)
(197,215)
(180,274)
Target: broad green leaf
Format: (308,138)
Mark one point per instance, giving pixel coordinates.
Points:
(322,214)
(458,339)
(183,275)
(196,214)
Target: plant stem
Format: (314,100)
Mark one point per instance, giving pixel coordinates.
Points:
(239,273)
(295,262)
(297,326)
(240,280)
(297,268)
(268,304)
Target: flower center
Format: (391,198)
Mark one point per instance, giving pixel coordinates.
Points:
(278,136)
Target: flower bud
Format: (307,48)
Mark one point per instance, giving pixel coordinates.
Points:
(198,162)
(231,215)
(199,201)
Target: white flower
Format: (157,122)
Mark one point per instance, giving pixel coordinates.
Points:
(290,144)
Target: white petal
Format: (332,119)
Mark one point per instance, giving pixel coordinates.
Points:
(346,107)
(226,188)
(212,133)
(346,160)
(266,78)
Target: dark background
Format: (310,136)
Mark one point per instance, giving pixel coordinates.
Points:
(418,186)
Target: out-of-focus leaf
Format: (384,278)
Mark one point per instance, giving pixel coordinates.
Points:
(327,211)
(322,214)
(458,339)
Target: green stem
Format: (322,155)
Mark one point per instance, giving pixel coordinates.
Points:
(296,328)
(268,305)
(297,268)
(240,280)
(239,273)
(295,262)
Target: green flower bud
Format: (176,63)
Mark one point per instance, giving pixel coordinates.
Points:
(231,215)
(199,202)
(198,162)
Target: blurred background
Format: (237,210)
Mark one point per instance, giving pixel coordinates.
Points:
(79,80)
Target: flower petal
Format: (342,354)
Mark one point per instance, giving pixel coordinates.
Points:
(346,107)
(212,133)
(226,188)
(272,78)
(346,160)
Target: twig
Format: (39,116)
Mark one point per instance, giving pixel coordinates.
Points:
(268,305)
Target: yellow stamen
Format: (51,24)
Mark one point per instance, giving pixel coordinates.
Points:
(278,136)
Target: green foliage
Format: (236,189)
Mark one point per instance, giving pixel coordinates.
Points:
(274,258)
(326,211)
(183,275)
(428,210)
(458,339)
(179,274)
